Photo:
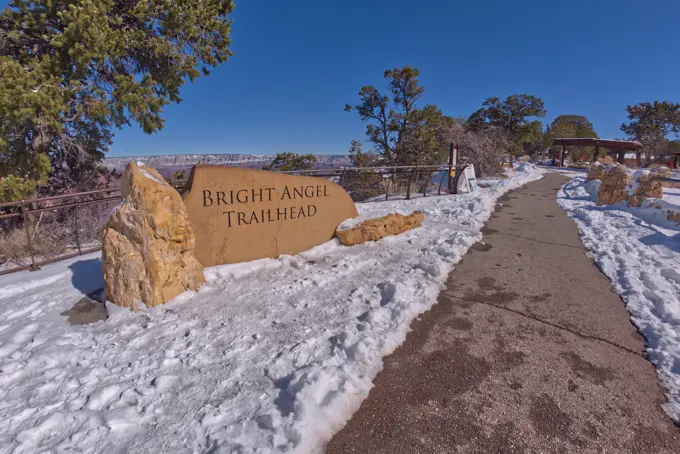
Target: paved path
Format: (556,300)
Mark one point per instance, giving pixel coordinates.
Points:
(528,350)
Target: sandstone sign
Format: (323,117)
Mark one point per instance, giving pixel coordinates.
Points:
(244,214)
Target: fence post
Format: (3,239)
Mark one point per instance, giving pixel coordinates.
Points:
(441,182)
(427,182)
(342,175)
(453,161)
(410,180)
(387,190)
(77,233)
(29,241)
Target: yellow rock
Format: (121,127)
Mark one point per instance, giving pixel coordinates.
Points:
(148,243)
(375,229)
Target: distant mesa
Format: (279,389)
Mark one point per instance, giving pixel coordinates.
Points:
(168,164)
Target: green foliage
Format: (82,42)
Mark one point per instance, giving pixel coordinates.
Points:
(358,157)
(673,146)
(650,123)
(401,132)
(176,180)
(513,115)
(572,126)
(286,162)
(362,185)
(70,72)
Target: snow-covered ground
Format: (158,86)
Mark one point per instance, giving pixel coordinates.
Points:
(672,195)
(639,250)
(269,356)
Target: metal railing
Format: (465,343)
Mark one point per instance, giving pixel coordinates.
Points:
(23,218)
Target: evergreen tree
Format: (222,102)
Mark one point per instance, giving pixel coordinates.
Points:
(72,71)
(650,123)
(574,126)
(401,132)
(286,162)
(513,115)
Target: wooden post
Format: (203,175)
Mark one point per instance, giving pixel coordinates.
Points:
(25,211)
(440,183)
(453,152)
(80,251)
(410,180)
(562,153)
(596,154)
(342,176)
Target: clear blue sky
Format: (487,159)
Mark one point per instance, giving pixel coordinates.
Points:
(298,63)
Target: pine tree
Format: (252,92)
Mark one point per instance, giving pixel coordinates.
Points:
(513,115)
(650,123)
(287,162)
(72,71)
(401,132)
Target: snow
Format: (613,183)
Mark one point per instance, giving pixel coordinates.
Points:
(672,195)
(638,249)
(634,182)
(151,177)
(273,355)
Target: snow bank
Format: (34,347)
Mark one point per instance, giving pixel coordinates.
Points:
(269,356)
(639,250)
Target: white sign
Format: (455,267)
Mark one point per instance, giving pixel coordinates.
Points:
(468,181)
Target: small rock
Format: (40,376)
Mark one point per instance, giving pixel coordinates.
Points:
(86,311)
(375,229)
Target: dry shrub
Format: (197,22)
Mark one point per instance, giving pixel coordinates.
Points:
(484,149)
(53,233)
(363,185)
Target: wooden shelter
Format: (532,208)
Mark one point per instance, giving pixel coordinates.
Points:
(620,146)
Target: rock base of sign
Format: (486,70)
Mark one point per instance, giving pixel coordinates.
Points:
(614,182)
(375,229)
(595,172)
(148,243)
(644,185)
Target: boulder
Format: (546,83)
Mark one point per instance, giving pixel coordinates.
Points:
(614,182)
(148,243)
(662,171)
(595,172)
(674,216)
(607,160)
(644,185)
(375,229)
